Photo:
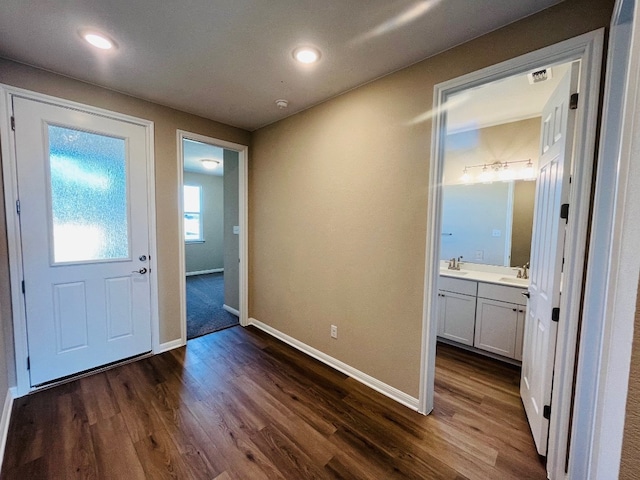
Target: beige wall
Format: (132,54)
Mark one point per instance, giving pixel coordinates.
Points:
(511,141)
(207,255)
(630,464)
(338,204)
(231,240)
(166,122)
(524,196)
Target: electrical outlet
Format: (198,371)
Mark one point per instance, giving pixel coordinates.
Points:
(334,331)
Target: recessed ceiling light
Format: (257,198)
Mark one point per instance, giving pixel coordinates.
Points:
(306,54)
(98,40)
(209,163)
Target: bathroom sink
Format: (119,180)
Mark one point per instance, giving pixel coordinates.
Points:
(516,281)
(457,273)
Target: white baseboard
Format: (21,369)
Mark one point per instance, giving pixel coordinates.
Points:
(369,381)
(204,272)
(165,347)
(5,420)
(231,310)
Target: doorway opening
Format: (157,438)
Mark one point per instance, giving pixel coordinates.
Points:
(493,255)
(486,231)
(211,239)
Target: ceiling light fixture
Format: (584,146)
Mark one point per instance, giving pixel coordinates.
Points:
(98,40)
(306,54)
(209,163)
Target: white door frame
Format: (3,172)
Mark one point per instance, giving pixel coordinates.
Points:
(588,48)
(614,264)
(9,170)
(243,220)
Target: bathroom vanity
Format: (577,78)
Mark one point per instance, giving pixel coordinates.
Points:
(483,310)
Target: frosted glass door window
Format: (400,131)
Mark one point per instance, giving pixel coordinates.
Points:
(88,174)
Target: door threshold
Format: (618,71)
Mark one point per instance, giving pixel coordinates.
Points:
(86,373)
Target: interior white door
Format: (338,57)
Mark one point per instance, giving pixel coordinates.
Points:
(82,186)
(552,190)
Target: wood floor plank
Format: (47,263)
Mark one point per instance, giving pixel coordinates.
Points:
(70,449)
(286,455)
(238,405)
(98,398)
(244,458)
(140,418)
(116,456)
(313,443)
(161,459)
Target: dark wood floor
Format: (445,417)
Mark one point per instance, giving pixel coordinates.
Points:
(238,404)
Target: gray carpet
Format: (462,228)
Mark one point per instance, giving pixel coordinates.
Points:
(205,297)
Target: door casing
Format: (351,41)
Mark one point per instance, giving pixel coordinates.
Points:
(243,221)
(588,49)
(10,180)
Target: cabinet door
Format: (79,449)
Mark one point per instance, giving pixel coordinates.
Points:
(522,317)
(457,317)
(497,327)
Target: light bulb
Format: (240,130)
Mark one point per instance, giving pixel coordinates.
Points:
(486,175)
(98,40)
(466,178)
(505,173)
(529,172)
(306,54)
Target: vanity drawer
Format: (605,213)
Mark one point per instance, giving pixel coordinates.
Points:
(457,285)
(502,293)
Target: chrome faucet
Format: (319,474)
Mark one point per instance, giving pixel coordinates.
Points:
(523,271)
(455,264)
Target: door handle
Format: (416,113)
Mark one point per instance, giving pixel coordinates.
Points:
(142,271)
(526,294)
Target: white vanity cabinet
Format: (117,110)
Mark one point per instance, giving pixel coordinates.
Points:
(500,317)
(486,316)
(457,309)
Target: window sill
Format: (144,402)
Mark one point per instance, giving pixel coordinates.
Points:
(189,242)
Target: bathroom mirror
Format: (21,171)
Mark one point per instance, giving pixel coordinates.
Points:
(488,223)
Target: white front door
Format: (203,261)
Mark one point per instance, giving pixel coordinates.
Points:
(552,190)
(82,186)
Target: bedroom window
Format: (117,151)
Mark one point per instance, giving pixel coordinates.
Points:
(192,213)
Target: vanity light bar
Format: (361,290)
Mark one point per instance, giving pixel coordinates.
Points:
(490,170)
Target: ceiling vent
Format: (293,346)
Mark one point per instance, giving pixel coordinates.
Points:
(538,76)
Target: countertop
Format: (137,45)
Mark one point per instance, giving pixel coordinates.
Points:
(498,278)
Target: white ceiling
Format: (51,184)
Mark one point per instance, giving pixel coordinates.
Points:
(194,152)
(507,100)
(229,60)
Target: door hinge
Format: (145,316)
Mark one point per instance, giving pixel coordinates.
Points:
(13,123)
(564,211)
(28,363)
(22,286)
(18,207)
(555,314)
(546,412)
(573,101)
